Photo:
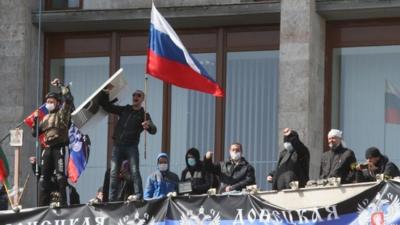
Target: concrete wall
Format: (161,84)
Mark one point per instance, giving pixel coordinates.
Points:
(301,75)
(127,4)
(17,87)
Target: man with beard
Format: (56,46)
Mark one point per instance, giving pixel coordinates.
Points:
(376,164)
(293,162)
(132,120)
(338,160)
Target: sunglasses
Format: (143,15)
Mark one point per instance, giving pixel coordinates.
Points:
(137,94)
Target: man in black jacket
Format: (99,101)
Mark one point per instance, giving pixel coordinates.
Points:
(234,174)
(376,164)
(195,172)
(293,162)
(338,160)
(132,120)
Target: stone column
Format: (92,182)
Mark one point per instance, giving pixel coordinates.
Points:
(18,55)
(301,75)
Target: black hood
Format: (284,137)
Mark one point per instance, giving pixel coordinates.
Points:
(195,152)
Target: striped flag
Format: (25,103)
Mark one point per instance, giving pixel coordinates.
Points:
(168,59)
(392,104)
(78,153)
(30,120)
(4,167)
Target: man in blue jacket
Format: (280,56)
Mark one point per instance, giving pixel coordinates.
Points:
(162,181)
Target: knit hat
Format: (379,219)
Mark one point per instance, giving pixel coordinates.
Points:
(372,152)
(335,133)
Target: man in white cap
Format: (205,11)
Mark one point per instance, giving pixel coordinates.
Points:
(338,160)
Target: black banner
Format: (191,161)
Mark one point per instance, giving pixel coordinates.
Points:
(377,205)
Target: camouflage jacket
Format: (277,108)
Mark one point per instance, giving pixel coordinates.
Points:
(55,125)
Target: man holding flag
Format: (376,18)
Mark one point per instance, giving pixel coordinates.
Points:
(54,128)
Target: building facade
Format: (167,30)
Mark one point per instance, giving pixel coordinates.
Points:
(309,65)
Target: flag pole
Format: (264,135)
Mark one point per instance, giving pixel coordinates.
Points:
(8,195)
(145,113)
(384,126)
(23,188)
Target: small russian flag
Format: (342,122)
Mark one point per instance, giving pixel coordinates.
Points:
(30,120)
(168,59)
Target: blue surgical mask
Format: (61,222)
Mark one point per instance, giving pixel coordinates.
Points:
(191,161)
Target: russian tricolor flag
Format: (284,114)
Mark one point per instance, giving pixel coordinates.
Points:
(392,104)
(30,120)
(168,59)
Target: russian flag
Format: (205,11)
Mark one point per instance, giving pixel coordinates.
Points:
(168,59)
(42,111)
(30,120)
(392,104)
(78,153)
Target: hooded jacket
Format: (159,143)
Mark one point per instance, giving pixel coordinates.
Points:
(160,183)
(383,166)
(292,165)
(200,179)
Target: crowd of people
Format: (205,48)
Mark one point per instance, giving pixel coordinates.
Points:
(124,181)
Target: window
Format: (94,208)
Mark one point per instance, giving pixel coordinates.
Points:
(362,63)
(243,60)
(361,81)
(63,4)
(251,108)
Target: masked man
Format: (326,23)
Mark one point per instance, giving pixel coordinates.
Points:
(55,127)
(235,173)
(293,162)
(195,173)
(162,181)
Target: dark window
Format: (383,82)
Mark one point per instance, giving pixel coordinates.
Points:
(63,4)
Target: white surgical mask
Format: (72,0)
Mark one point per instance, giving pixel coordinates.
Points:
(235,156)
(191,161)
(288,146)
(50,106)
(163,167)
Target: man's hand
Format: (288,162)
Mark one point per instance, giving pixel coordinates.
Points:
(146,124)
(32,159)
(287,131)
(56,82)
(269,179)
(209,155)
(228,188)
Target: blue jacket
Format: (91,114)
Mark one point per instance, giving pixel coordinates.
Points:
(159,184)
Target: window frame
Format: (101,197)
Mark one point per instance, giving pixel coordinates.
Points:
(352,33)
(229,39)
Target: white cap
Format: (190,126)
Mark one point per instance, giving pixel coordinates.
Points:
(335,133)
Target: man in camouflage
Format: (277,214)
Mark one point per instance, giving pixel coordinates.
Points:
(55,127)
